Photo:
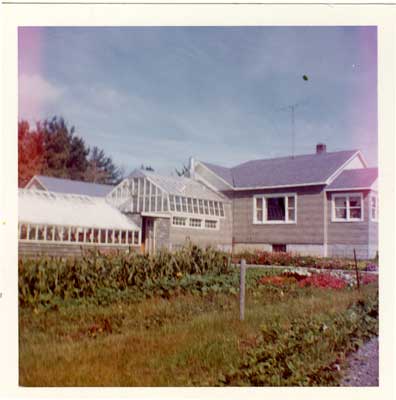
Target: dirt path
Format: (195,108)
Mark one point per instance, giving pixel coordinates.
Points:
(363,366)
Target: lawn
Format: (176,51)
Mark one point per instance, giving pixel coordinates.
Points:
(195,338)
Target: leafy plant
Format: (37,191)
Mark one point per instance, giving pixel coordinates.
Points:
(307,352)
(99,275)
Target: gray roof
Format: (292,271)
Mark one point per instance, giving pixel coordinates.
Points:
(60,185)
(284,171)
(354,178)
(223,172)
(179,186)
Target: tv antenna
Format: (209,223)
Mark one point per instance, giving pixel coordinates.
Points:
(292,109)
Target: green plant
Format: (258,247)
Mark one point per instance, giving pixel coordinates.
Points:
(306,352)
(41,280)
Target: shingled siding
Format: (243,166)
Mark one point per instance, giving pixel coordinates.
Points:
(162,231)
(34,249)
(219,238)
(343,237)
(307,231)
(373,237)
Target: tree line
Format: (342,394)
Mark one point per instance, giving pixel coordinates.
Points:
(51,148)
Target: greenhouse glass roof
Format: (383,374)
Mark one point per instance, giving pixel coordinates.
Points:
(147,192)
(42,207)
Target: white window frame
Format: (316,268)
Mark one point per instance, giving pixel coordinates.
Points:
(87,239)
(198,217)
(375,196)
(264,197)
(347,196)
(216,228)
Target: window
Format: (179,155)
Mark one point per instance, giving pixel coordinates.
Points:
(280,208)
(136,237)
(201,209)
(171,203)
(279,248)
(374,207)
(178,203)
(179,221)
(23,230)
(184,204)
(195,222)
(210,224)
(347,207)
(189,205)
(195,206)
(211,208)
(216,208)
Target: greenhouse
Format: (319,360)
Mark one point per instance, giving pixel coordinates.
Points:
(73,219)
(171,210)
(146,210)
(144,191)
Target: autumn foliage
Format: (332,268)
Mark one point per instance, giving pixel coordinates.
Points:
(52,148)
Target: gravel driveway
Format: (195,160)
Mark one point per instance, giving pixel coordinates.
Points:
(363,366)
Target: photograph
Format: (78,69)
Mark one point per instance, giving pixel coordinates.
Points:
(198,206)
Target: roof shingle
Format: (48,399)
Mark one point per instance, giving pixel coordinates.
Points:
(354,178)
(59,185)
(284,171)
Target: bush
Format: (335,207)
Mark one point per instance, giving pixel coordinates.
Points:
(296,260)
(43,279)
(308,351)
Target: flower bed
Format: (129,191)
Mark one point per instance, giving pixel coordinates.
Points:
(296,260)
(328,279)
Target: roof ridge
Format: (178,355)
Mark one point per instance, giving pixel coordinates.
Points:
(295,156)
(73,180)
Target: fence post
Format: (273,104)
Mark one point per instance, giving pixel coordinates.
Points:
(242,290)
(356,269)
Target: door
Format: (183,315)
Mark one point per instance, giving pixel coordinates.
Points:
(149,242)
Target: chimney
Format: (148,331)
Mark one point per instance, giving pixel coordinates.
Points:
(192,168)
(320,148)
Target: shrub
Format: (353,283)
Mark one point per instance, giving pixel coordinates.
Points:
(307,351)
(43,279)
(296,260)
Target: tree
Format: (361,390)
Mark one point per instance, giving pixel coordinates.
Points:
(185,171)
(65,155)
(53,149)
(101,168)
(147,168)
(30,153)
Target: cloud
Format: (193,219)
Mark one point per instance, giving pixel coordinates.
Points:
(35,95)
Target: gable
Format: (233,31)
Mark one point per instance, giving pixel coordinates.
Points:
(209,177)
(35,184)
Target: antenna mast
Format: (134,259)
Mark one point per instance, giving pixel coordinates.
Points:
(292,108)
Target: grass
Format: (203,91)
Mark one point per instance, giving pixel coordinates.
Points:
(188,340)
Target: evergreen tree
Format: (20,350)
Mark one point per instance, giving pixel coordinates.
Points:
(101,168)
(53,149)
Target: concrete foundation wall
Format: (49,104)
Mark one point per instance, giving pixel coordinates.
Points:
(303,249)
(31,249)
(346,251)
(306,249)
(239,247)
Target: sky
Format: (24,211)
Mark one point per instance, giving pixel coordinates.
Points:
(158,95)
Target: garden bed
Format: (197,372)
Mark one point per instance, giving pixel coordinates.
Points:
(181,327)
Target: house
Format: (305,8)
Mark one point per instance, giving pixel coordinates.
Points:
(324,204)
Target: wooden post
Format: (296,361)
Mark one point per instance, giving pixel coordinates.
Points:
(356,269)
(242,290)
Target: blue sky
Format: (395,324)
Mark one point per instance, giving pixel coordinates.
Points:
(160,95)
